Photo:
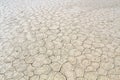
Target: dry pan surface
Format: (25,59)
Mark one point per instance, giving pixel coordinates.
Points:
(59,39)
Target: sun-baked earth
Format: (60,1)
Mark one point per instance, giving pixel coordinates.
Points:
(59,39)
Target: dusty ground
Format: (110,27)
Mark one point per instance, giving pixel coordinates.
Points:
(59,39)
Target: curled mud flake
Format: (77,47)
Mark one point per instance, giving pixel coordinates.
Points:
(97,52)
(39,60)
(74,52)
(87,45)
(79,72)
(54,27)
(107,66)
(19,29)
(65,39)
(42,49)
(55,58)
(45,69)
(18,75)
(57,52)
(31,36)
(91,75)
(9,59)
(55,66)
(33,52)
(90,68)
(68,46)
(117,51)
(2,77)
(93,58)
(55,31)
(35,77)
(76,43)
(58,45)
(115,77)
(115,71)
(95,65)
(102,71)
(85,63)
(49,45)
(7,48)
(81,79)
(73,37)
(104,58)
(111,54)
(29,71)
(59,76)
(67,70)
(4,67)
(43,77)
(43,29)
(9,74)
(98,45)
(72,60)
(17,50)
(49,52)
(117,60)
(35,27)
(86,51)
(33,45)
(20,65)
(103,78)
(80,58)
(41,36)
(52,37)
(41,43)
(51,75)
(29,59)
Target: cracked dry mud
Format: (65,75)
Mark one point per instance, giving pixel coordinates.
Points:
(59,40)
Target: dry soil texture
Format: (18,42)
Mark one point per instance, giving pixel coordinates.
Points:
(59,39)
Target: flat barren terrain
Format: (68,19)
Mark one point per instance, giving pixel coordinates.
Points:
(59,39)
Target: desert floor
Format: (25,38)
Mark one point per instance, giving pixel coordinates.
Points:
(59,39)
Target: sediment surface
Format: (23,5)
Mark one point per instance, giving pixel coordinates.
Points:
(59,39)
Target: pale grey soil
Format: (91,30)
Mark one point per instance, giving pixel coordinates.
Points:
(59,39)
